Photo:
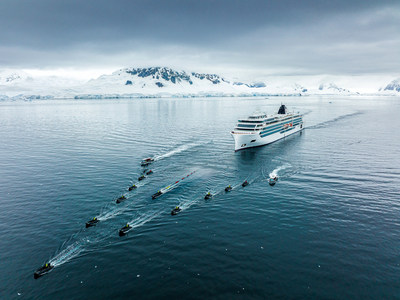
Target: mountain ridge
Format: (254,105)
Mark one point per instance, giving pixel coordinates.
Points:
(160,81)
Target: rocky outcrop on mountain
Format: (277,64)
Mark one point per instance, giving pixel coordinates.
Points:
(393,86)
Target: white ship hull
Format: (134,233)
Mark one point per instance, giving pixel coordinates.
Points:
(253,139)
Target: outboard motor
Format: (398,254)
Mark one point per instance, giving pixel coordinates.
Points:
(282,110)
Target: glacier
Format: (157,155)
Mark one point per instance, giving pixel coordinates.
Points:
(165,82)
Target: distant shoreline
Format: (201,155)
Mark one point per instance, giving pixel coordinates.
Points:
(4,98)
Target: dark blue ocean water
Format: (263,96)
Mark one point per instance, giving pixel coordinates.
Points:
(328,229)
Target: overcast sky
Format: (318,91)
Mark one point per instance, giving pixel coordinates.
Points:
(282,37)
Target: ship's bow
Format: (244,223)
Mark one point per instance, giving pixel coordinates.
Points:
(242,140)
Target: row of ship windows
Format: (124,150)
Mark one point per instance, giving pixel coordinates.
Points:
(247,121)
(270,132)
(246,126)
(247,129)
(266,131)
(279,126)
(252,127)
(264,134)
(260,122)
(266,123)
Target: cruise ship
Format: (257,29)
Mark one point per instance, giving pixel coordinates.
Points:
(260,129)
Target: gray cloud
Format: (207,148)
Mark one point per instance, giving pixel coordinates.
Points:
(282,37)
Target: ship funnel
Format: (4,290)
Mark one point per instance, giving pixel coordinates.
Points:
(282,110)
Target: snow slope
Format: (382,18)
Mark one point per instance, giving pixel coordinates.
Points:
(167,82)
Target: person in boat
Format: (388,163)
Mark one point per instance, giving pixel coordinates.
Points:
(156,194)
(272,180)
(120,199)
(175,210)
(47,267)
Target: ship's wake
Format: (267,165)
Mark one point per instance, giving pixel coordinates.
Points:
(109,214)
(174,185)
(327,123)
(276,171)
(144,218)
(184,205)
(76,244)
(111,210)
(196,198)
(178,150)
(67,254)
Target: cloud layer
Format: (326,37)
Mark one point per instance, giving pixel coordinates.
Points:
(262,37)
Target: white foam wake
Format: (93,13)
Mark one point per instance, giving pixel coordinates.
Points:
(177,150)
(67,254)
(110,211)
(143,219)
(183,205)
(118,209)
(329,122)
(111,214)
(276,171)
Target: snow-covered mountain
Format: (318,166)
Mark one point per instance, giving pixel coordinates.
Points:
(9,77)
(162,81)
(22,85)
(332,87)
(167,82)
(393,86)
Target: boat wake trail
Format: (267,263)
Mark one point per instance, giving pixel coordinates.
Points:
(276,171)
(178,150)
(187,204)
(112,210)
(111,214)
(327,123)
(67,254)
(184,205)
(234,187)
(172,186)
(214,194)
(144,218)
